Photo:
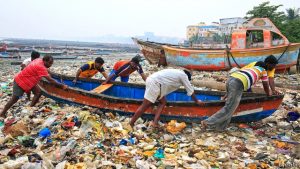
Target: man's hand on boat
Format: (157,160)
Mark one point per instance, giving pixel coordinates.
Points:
(75,81)
(105,82)
(64,87)
(200,103)
(275,92)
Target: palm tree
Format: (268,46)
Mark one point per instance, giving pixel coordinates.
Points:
(293,13)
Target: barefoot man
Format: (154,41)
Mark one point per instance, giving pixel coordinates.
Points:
(160,84)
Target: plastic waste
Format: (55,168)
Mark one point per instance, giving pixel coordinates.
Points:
(45,132)
(61,153)
(26,141)
(174,127)
(293,116)
(4,85)
(123,142)
(50,120)
(32,166)
(17,163)
(159,153)
(67,125)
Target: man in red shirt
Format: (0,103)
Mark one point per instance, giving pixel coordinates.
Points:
(27,80)
(124,68)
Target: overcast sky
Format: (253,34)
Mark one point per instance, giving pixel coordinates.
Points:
(71,19)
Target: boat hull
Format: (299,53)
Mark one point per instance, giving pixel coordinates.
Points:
(216,60)
(253,107)
(6,55)
(152,51)
(64,57)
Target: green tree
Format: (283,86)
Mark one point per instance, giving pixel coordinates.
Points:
(292,25)
(292,30)
(288,24)
(266,10)
(194,39)
(292,13)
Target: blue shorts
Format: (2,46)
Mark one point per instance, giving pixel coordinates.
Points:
(123,78)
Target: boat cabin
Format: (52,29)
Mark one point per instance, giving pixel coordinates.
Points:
(257,38)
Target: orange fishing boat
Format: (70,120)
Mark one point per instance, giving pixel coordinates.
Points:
(125,98)
(250,44)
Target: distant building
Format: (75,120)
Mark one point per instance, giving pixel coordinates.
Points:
(227,25)
(202,30)
(208,31)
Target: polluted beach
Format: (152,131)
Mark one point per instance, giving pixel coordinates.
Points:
(225,96)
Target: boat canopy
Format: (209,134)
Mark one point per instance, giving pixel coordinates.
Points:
(256,38)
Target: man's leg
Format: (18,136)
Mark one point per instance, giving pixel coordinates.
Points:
(222,118)
(28,96)
(8,105)
(17,93)
(125,79)
(111,73)
(37,94)
(145,105)
(160,108)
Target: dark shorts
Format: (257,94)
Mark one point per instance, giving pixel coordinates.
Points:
(17,90)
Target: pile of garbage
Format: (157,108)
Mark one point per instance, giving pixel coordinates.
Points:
(54,135)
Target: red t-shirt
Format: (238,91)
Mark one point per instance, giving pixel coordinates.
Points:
(31,75)
(120,63)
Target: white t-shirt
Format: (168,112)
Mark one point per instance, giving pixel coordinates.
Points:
(171,80)
(26,61)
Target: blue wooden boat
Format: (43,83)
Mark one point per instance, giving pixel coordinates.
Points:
(6,55)
(125,98)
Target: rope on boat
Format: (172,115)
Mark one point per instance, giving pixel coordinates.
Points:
(228,52)
(283,52)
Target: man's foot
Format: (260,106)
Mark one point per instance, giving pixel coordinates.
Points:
(154,125)
(2,116)
(128,127)
(204,125)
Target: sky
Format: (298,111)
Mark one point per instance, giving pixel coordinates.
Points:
(83,19)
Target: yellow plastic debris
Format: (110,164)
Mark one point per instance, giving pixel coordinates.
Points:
(174,127)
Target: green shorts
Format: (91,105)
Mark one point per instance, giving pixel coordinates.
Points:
(17,90)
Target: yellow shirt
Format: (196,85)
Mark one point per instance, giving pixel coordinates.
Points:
(270,73)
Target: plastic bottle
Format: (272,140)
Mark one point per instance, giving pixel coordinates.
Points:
(61,153)
(50,120)
(159,153)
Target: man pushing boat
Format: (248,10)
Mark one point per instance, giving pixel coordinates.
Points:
(90,69)
(270,62)
(160,84)
(27,80)
(239,81)
(124,68)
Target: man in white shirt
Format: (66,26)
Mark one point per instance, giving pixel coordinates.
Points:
(160,84)
(34,55)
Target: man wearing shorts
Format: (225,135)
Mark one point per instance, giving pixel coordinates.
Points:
(124,68)
(27,80)
(160,84)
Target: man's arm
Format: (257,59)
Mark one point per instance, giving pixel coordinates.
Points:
(109,78)
(23,66)
(77,75)
(104,74)
(190,90)
(266,88)
(272,85)
(144,77)
(52,81)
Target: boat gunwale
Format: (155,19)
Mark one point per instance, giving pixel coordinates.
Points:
(197,50)
(248,98)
